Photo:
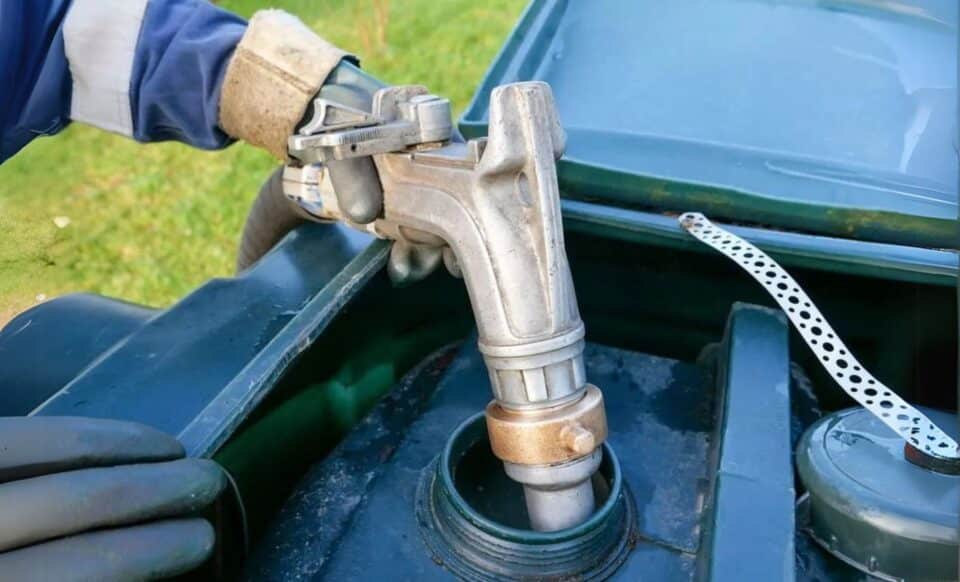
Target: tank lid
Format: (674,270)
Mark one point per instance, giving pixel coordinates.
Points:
(870,506)
(833,118)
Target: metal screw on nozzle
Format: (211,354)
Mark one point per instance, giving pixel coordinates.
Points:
(578,439)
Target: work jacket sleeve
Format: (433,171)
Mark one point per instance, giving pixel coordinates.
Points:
(147,69)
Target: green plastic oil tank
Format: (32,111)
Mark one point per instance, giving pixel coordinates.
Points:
(835,117)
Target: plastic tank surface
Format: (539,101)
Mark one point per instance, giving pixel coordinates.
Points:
(836,117)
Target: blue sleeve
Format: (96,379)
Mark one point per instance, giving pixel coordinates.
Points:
(34,77)
(178,63)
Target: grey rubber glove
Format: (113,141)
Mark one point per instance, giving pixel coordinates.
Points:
(87,499)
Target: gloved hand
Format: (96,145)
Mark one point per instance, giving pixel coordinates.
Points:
(104,500)
(277,70)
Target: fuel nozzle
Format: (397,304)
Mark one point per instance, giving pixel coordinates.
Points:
(492,205)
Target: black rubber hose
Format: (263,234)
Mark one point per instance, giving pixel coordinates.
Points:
(271,217)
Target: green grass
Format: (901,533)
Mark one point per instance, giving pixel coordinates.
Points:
(148,223)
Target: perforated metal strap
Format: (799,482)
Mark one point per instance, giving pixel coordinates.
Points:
(830,351)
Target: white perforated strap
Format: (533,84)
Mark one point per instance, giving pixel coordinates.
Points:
(100,40)
(846,370)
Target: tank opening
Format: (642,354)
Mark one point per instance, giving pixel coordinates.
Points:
(479,478)
(474,518)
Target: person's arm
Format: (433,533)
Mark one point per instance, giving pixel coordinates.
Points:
(156,70)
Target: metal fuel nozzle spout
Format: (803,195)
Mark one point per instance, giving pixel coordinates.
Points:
(490,210)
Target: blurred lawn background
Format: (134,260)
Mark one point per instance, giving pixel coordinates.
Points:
(90,211)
